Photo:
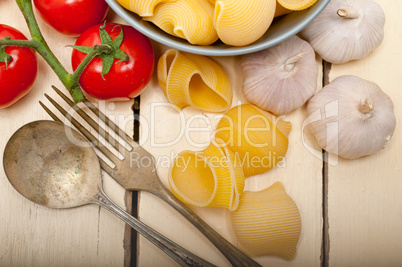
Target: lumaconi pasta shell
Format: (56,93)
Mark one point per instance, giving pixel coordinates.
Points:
(188,19)
(210,178)
(267,222)
(141,7)
(200,22)
(280,10)
(215,176)
(194,80)
(241,23)
(257,137)
(296,5)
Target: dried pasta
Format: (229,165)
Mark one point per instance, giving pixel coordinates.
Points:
(194,80)
(215,177)
(280,10)
(210,178)
(142,8)
(240,23)
(257,137)
(202,22)
(267,222)
(296,5)
(188,19)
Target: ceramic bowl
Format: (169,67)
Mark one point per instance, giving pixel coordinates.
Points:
(281,29)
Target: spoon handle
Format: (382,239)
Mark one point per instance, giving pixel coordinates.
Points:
(233,254)
(176,252)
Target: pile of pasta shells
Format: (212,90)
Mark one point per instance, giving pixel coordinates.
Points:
(202,22)
(248,141)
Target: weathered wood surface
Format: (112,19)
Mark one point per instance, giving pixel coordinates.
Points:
(365,200)
(360,202)
(300,172)
(32,235)
(359,205)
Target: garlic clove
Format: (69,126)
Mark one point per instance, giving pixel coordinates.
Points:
(281,78)
(351,117)
(346,30)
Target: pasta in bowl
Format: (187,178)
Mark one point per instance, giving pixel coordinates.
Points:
(220,41)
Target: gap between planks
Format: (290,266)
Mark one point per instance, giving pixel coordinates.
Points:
(131,201)
(131,197)
(325,246)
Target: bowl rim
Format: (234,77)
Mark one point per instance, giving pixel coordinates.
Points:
(166,39)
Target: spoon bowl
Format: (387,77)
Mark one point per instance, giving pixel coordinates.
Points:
(50,169)
(53,165)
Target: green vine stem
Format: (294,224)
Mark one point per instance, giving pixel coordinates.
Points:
(38,43)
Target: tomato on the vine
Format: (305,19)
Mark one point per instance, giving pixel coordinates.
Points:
(18,68)
(72,17)
(128,70)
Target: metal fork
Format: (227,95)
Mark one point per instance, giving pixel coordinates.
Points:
(134,177)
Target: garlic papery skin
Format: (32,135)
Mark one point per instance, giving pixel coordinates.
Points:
(351,117)
(281,78)
(346,30)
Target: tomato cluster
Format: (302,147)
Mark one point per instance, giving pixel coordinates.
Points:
(129,67)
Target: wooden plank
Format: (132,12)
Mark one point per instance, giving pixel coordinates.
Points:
(32,235)
(325,187)
(301,174)
(365,194)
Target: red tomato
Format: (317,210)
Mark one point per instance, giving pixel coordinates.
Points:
(126,79)
(18,76)
(72,17)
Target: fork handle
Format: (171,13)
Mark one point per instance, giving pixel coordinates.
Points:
(233,254)
(176,252)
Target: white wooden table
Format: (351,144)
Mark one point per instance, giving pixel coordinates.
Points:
(351,210)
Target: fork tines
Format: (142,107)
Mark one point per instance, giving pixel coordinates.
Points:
(104,134)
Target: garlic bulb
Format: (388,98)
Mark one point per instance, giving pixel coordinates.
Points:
(351,117)
(281,78)
(346,30)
